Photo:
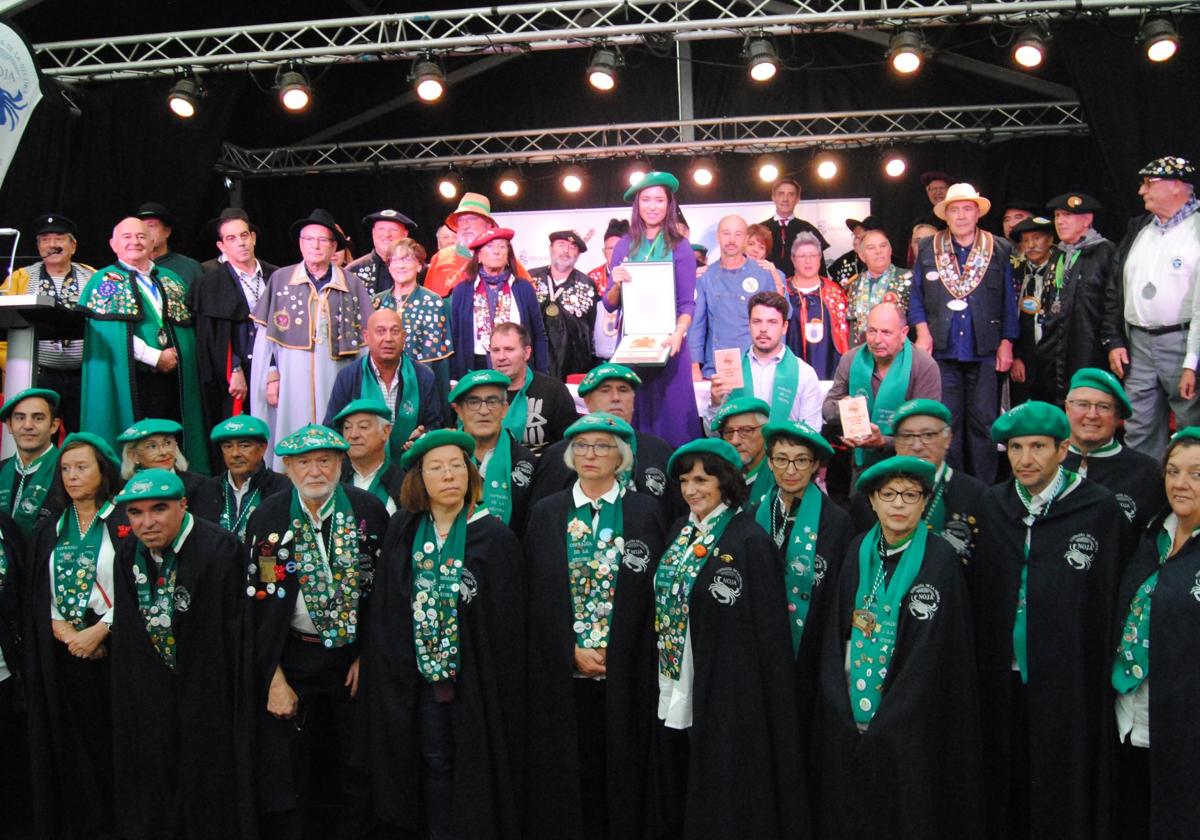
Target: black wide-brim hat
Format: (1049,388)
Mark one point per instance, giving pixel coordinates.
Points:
(214,224)
(323,218)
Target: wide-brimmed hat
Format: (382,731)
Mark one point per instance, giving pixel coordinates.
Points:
(961,192)
(154,210)
(475,203)
(325,219)
(214,225)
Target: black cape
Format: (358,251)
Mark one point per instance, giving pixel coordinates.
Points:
(1073,572)
(192,482)
(181,750)
(272,618)
(553,791)
(1135,479)
(489,689)
(915,772)
(12,595)
(745,767)
(209,499)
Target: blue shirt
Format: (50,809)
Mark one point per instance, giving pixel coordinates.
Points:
(721,320)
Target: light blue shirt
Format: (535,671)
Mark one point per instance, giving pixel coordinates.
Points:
(721,320)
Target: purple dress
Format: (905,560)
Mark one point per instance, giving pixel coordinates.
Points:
(666,402)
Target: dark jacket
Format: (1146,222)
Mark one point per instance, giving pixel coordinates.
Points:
(347,387)
(462,325)
(987,300)
(781,243)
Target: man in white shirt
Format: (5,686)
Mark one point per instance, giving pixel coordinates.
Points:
(366,424)
(785,224)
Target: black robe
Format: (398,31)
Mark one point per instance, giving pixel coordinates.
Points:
(12,596)
(744,769)
(489,698)
(181,749)
(915,773)
(553,794)
(1174,681)
(569,329)
(1135,479)
(192,482)
(272,619)
(208,502)
(552,474)
(524,464)
(1074,566)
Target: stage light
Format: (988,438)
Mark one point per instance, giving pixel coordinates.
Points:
(602,69)
(294,91)
(704,170)
(449,185)
(637,172)
(184,98)
(906,51)
(428,78)
(827,168)
(1160,38)
(572,179)
(1030,47)
(509,183)
(894,166)
(768,169)
(762,59)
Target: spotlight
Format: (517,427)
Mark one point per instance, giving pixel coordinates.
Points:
(637,172)
(294,92)
(894,166)
(827,169)
(572,179)
(509,183)
(704,170)
(1030,47)
(906,51)
(428,78)
(762,59)
(768,169)
(1160,38)
(602,69)
(184,98)
(449,185)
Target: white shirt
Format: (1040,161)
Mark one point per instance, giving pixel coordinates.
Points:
(390,392)
(143,352)
(514,313)
(238,492)
(1163,266)
(101,598)
(363,482)
(301,621)
(806,405)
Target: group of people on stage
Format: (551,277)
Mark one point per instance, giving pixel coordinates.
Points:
(332,552)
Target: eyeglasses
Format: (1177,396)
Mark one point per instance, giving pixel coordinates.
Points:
(1086,406)
(476,403)
(731,432)
(407,258)
(1148,181)
(152,446)
(600,450)
(442,469)
(783,463)
(909,497)
(926,438)
(317,240)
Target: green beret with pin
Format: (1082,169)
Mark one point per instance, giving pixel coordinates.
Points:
(241,427)
(434,439)
(1102,380)
(143,429)
(601,421)
(476,378)
(151,485)
(801,431)
(904,465)
(921,408)
(742,405)
(712,446)
(1031,418)
(311,438)
(363,406)
(608,370)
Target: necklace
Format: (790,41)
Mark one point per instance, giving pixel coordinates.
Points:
(779,529)
(79,521)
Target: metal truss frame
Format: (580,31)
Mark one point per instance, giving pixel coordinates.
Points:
(531,26)
(980,123)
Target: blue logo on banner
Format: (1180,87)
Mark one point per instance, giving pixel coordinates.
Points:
(11,107)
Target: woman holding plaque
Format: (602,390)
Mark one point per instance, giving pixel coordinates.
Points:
(442,671)
(896,723)
(590,573)
(666,402)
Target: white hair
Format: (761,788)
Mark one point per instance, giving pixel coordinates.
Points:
(623,448)
(129,466)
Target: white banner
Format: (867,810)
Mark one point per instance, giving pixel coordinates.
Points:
(20,93)
(533,227)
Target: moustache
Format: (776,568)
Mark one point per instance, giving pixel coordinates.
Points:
(56,249)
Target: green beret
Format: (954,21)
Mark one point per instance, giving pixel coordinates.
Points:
(897,465)
(151,484)
(798,429)
(1031,418)
(653,179)
(601,421)
(150,426)
(96,442)
(1186,433)
(376,407)
(608,370)
(713,446)
(241,427)
(434,439)
(311,438)
(49,396)
(699,249)
(921,408)
(476,378)
(742,405)
(1102,380)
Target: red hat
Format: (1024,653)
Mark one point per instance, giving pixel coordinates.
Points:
(494,233)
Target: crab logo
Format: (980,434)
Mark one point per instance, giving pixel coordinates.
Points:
(958,534)
(655,481)
(637,556)
(183,599)
(820,567)
(1195,590)
(923,602)
(470,586)
(426,581)
(1081,550)
(1128,505)
(726,585)
(522,473)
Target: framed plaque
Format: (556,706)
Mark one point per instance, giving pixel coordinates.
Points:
(648,307)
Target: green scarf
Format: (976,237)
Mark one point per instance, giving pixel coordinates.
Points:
(497,479)
(882,406)
(1113,447)
(798,570)
(156,595)
(30,496)
(873,635)
(404,418)
(761,481)
(656,251)
(673,583)
(237,524)
(518,410)
(935,511)
(376,487)
(330,587)
(437,583)
(76,557)
(593,560)
(787,375)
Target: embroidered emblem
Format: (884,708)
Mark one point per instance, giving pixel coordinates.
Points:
(923,602)
(522,473)
(958,534)
(750,285)
(183,599)
(107,287)
(726,585)
(820,567)
(1128,505)
(655,480)
(637,556)
(1195,590)
(282,319)
(470,586)
(1081,550)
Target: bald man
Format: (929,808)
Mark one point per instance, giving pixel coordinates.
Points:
(722,292)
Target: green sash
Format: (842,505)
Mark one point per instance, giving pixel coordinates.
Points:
(787,374)
(437,582)
(877,617)
(798,570)
(404,418)
(673,584)
(518,410)
(76,557)
(593,560)
(330,588)
(761,481)
(376,487)
(30,496)
(156,595)
(237,524)
(882,406)
(497,479)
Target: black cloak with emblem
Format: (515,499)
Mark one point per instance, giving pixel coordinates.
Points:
(915,772)
(181,739)
(741,759)
(524,465)
(208,501)
(1134,478)
(489,691)
(554,789)
(1074,565)
(570,323)
(272,619)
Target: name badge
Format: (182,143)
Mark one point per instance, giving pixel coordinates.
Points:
(956,305)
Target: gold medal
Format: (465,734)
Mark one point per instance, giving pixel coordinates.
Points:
(864,622)
(1030,305)
(552,310)
(266,570)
